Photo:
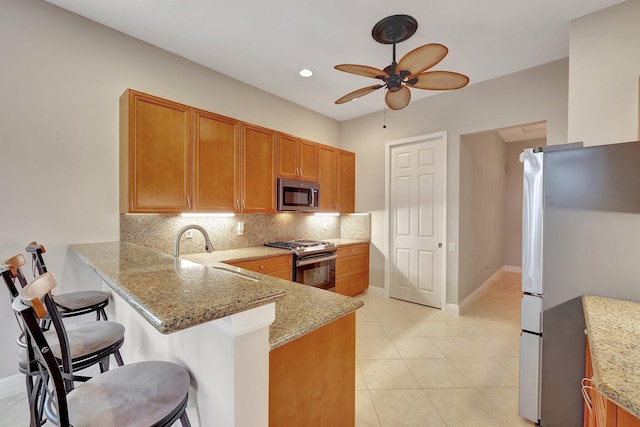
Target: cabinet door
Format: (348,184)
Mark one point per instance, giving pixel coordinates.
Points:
(215,172)
(155,154)
(287,156)
(346,181)
(328,178)
(307,160)
(258,178)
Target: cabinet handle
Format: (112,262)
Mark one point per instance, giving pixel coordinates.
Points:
(244,206)
(351,284)
(262,267)
(585,395)
(189,202)
(350,265)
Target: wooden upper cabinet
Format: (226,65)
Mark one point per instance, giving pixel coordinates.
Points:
(287,163)
(336,175)
(175,158)
(216,162)
(328,178)
(346,181)
(258,172)
(297,158)
(155,138)
(308,160)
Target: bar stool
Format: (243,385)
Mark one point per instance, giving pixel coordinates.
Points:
(71,303)
(92,343)
(140,394)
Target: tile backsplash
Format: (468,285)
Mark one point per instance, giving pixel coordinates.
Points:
(159,231)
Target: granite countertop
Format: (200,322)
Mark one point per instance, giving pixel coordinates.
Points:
(170,293)
(175,295)
(303,308)
(255,252)
(613,328)
(346,242)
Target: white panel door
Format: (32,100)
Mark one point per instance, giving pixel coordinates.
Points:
(416,221)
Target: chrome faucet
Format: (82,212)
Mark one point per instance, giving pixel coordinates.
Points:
(207,242)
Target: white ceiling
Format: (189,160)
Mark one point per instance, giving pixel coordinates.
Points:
(524,132)
(265,42)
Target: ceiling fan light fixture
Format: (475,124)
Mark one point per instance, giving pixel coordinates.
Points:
(412,69)
(305,72)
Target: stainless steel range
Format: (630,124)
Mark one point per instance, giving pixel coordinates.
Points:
(313,261)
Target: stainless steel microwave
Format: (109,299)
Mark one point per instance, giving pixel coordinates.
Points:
(300,196)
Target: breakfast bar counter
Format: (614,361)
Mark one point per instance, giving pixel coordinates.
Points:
(170,294)
(176,294)
(252,343)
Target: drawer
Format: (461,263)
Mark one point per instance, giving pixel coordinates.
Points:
(354,284)
(266,265)
(352,264)
(346,251)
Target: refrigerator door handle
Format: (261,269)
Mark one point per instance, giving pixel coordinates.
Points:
(532,221)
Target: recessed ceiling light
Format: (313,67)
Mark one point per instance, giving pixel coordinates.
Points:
(305,72)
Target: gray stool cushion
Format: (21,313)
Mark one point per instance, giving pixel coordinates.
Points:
(84,338)
(138,394)
(82,299)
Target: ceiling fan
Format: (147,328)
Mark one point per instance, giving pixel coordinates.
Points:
(411,71)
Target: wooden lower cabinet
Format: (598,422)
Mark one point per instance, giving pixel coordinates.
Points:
(312,379)
(604,413)
(277,266)
(352,269)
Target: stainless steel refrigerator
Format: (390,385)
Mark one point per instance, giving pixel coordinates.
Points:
(581,235)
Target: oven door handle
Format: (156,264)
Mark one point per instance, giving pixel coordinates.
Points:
(308,261)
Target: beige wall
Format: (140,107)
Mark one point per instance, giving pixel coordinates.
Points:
(532,95)
(61,77)
(482,214)
(603,75)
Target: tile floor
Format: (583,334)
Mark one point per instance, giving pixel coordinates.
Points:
(418,366)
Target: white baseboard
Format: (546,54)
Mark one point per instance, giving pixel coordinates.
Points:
(452,308)
(513,269)
(12,385)
(479,291)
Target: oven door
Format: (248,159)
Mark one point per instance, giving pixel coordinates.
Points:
(318,270)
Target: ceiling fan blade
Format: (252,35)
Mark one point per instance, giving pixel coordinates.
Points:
(362,70)
(440,80)
(358,93)
(422,58)
(398,99)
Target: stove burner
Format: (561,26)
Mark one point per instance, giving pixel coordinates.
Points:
(302,245)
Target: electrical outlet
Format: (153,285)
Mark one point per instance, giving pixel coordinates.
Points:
(324,225)
(189,234)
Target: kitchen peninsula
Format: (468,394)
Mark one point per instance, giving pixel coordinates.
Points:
(222,322)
